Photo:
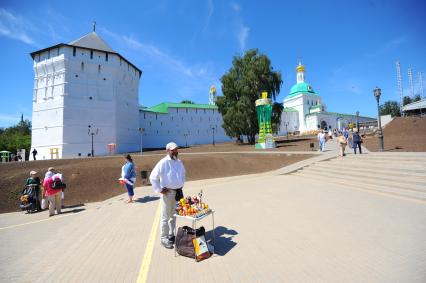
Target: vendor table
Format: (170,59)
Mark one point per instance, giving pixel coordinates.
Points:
(194,225)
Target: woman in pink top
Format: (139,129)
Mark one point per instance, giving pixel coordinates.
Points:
(53,195)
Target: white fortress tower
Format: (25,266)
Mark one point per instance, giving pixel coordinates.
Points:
(212,95)
(80,84)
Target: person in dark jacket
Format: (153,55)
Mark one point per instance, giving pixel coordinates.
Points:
(35,181)
(356,140)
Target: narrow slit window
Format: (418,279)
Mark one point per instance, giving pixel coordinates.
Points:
(74,51)
(99,68)
(106,56)
(91,54)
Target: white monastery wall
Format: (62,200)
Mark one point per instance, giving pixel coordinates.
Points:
(185,126)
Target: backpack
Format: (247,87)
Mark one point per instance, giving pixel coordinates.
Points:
(356,138)
(58,184)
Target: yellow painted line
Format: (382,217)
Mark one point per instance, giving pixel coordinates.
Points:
(146,261)
(41,220)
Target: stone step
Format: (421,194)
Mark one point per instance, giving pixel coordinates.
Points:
(388,157)
(418,164)
(396,170)
(396,180)
(404,185)
(375,188)
(416,154)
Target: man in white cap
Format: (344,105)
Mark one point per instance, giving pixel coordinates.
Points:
(167,177)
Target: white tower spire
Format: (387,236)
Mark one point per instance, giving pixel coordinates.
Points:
(300,70)
(212,95)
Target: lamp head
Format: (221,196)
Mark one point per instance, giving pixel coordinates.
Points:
(377,92)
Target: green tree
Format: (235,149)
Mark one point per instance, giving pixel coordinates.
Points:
(187,102)
(417,98)
(16,137)
(241,87)
(277,110)
(390,107)
(406,100)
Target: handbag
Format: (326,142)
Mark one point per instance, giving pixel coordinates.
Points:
(186,237)
(44,203)
(179,194)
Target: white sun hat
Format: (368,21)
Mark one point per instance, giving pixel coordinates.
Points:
(171,146)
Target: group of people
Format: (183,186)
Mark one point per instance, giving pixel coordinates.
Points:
(343,138)
(49,195)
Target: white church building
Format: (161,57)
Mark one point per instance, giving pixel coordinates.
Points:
(86,96)
(305,111)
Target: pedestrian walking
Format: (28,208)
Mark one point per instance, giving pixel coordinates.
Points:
(54,196)
(167,177)
(342,142)
(34,152)
(128,176)
(34,181)
(322,140)
(356,140)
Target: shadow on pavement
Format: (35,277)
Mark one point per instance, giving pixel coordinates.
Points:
(224,240)
(73,206)
(73,211)
(147,199)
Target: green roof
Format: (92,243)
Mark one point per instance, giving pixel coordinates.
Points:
(339,114)
(164,107)
(290,109)
(301,88)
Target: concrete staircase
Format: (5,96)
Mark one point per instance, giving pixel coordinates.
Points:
(400,174)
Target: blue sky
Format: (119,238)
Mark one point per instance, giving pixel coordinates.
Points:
(183,47)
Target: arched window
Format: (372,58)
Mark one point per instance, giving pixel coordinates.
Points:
(82,66)
(99,68)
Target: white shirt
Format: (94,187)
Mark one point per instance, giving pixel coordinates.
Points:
(168,173)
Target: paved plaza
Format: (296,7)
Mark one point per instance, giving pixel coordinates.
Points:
(280,226)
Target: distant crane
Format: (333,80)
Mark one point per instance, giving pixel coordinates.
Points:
(410,82)
(399,83)
(420,74)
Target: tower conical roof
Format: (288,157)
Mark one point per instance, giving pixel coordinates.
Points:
(92,41)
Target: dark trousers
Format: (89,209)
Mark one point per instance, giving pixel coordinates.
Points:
(357,144)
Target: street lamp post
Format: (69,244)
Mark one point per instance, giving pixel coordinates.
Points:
(92,132)
(286,125)
(377,93)
(213,128)
(141,130)
(186,138)
(357,121)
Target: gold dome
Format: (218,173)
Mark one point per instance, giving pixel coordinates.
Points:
(300,68)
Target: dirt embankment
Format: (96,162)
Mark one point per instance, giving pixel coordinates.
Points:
(402,134)
(96,179)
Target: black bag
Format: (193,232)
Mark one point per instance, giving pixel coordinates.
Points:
(184,237)
(179,194)
(58,184)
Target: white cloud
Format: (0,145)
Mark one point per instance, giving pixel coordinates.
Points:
(242,37)
(210,10)
(15,27)
(188,81)
(155,53)
(235,6)
(242,31)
